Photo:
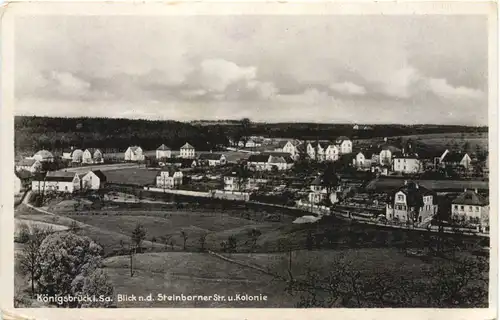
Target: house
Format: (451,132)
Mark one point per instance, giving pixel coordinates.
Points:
(381,169)
(319,192)
(317,150)
(364,160)
(31,165)
(92,155)
(187,151)
(77,155)
(279,160)
(179,162)
(291,147)
(93,180)
(411,202)
(169,178)
(212,159)
(134,153)
(470,207)
(355,127)
(58,181)
(345,144)
(252,144)
(455,159)
(386,152)
(409,163)
(44,156)
(332,153)
(259,162)
(163,152)
(234,183)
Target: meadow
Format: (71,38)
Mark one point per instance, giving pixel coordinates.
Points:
(384,184)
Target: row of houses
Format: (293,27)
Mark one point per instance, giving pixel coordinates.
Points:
(415,203)
(268,161)
(318,150)
(136,153)
(390,158)
(67,182)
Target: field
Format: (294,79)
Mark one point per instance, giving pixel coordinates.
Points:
(132,176)
(384,184)
(440,140)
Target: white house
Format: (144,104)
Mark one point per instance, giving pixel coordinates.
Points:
(259,162)
(163,152)
(345,144)
(44,156)
(292,147)
(385,155)
(31,165)
(233,183)
(58,181)
(317,151)
(134,153)
(77,155)
(169,178)
(319,193)
(472,208)
(455,159)
(252,144)
(212,159)
(332,153)
(364,160)
(92,155)
(93,180)
(187,151)
(411,202)
(406,164)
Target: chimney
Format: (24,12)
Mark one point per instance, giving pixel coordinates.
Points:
(416,185)
(475,190)
(406,182)
(385,139)
(465,190)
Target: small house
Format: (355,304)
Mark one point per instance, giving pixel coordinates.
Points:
(92,155)
(169,178)
(163,152)
(93,180)
(187,151)
(212,159)
(57,181)
(134,153)
(31,165)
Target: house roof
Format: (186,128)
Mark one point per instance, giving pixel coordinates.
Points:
(470,197)
(76,151)
(277,159)
(414,194)
(389,147)
(282,144)
(289,159)
(100,175)
(92,150)
(163,147)
(134,148)
(44,154)
(400,155)
(26,162)
(210,156)
(60,176)
(187,146)
(317,182)
(341,139)
(171,171)
(454,157)
(258,158)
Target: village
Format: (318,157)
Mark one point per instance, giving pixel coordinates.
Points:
(384,181)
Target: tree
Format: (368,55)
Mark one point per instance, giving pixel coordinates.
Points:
(309,240)
(30,259)
(184,236)
(202,240)
(64,257)
(138,235)
(245,125)
(254,235)
(97,284)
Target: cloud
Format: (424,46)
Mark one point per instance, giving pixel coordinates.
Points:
(348,88)
(217,74)
(442,88)
(68,84)
(309,97)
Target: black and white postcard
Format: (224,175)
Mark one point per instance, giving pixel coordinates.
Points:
(241,160)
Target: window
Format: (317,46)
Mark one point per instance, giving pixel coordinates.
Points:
(461,207)
(477,209)
(400,198)
(455,207)
(470,208)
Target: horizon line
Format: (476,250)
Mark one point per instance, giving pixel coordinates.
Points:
(259,122)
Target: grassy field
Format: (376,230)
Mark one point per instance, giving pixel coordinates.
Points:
(132,176)
(383,184)
(440,140)
(192,274)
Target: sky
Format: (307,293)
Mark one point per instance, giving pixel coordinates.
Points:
(327,69)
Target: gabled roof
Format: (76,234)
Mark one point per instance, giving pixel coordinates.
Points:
(400,155)
(342,139)
(44,154)
(99,174)
(258,158)
(210,156)
(92,150)
(60,176)
(187,146)
(454,157)
(414,194)
(26,162)
(470,197)
(134,148)
(317,182)
(282,144)
(171,171)
(275,159)
(163,147)
(389,147)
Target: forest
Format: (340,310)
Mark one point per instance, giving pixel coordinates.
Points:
(116,135)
